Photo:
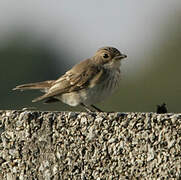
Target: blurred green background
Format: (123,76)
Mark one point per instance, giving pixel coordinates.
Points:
(40,41)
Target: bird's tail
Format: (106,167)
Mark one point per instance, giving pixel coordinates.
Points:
(38,85)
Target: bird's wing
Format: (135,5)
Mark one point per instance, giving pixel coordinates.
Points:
(85,74)
(43,86)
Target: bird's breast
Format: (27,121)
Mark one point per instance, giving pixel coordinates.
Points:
(103,89)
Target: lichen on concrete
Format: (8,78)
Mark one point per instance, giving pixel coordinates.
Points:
(73,145)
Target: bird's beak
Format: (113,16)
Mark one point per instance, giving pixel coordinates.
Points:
(122,56)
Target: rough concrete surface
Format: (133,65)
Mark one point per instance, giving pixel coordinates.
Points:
(70,145)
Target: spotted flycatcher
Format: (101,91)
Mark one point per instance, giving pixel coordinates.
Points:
(87,83)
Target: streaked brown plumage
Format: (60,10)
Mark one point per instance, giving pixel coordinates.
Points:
(87,83)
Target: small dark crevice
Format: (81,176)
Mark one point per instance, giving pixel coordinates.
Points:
(83,151)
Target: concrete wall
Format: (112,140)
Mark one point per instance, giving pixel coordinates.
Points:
(70,145)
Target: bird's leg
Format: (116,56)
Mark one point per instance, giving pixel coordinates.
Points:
(86,107)
(96,108)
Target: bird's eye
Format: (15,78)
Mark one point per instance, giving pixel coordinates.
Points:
(105,55)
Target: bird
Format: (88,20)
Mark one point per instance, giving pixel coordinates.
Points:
(85,84)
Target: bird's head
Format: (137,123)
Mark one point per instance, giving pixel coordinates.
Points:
(109,57)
